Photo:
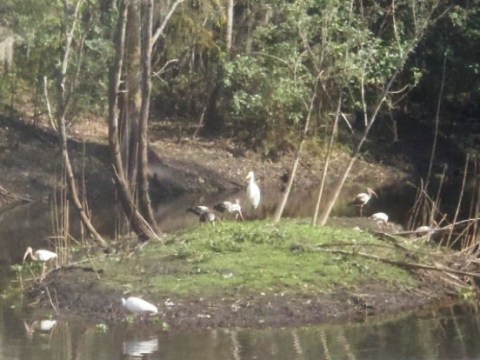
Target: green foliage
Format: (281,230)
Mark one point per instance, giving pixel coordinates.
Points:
(42,26)
(340,45)
(256,257)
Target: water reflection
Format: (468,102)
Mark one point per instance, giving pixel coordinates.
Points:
(447,333)
(137,348)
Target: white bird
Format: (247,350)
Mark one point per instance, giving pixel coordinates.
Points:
(423,230)
(138,306)
(41,255)
(363,198)
(203,212)
(253,191)
(231,208)
(380,217)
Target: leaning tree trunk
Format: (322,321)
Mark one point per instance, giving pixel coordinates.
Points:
(137,221)
(61,114)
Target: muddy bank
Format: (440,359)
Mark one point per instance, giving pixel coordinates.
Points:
(31,165)
(80,291)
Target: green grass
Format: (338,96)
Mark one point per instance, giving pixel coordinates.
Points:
(255,257)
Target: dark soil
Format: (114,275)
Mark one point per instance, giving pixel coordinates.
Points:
(79,291)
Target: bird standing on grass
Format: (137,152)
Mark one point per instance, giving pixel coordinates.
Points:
(203,212)
(253,191)
(231,208)
(41,255)
(381,219)
(139,307)
(363,198)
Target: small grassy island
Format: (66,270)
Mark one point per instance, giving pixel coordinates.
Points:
(257,274)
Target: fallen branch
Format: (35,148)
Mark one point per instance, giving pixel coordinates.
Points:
(402,263)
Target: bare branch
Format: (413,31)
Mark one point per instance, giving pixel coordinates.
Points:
(160,30)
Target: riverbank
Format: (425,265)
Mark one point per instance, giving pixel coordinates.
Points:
(233,274)
(255,274)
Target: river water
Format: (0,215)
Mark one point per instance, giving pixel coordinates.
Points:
(445,333)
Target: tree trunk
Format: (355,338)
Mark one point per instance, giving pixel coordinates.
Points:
(138,223)
(62,133)
(146,87)
(229,36)
(131,109)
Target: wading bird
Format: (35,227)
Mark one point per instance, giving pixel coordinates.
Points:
(41,255)
(380,217)
(203,212)
(363,198)
(139,307)
(424,231)
(253,191)
(231,208)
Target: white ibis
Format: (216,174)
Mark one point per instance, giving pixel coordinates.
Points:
(138,306)
(380,217)
(363,198)
(424,231)
(41,255)
(253,191)
(203,212)
(231,208)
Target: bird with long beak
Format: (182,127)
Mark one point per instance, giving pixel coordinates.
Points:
(230,207)
(139,307)
(253,190)
(363,198)
(203,212)
(41,255)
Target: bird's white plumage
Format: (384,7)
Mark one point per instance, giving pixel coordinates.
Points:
(203,212)
(230,207)
(424,230)
(380,217)
(40,255)
(138,306)
(362,199)
(253,190)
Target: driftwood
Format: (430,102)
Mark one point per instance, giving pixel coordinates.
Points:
(403,263)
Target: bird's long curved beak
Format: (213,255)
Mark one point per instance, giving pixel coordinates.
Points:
(28,252)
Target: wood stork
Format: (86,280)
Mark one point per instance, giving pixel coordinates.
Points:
(203,212)
(41,255)
(253,190)
(363,198)
(230,207)
(138,306)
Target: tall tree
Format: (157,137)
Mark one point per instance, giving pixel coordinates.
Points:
(128,123)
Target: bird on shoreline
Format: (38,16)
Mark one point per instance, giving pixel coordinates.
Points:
(203,212)
(363,198)
(138,306)
(380,217)
(253,190)
(41,255)
(230,207)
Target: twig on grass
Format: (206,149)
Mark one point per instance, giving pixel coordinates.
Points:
(403,263)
